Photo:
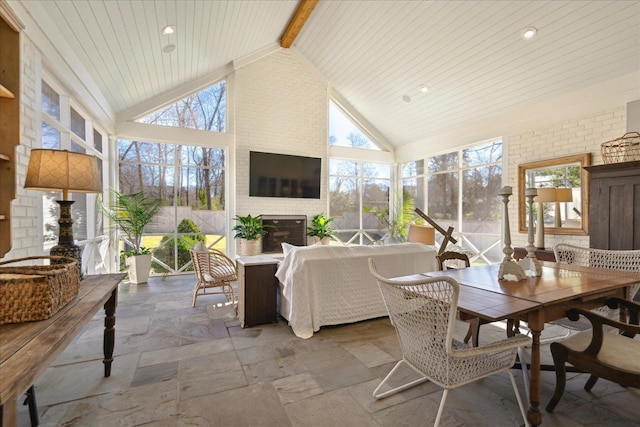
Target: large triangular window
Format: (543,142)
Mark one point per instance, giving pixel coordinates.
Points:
(205,110)
(344,132)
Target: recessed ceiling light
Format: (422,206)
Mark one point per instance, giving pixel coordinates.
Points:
(424,89)
(169,48)
(528,33)
(406,98)
(169,29)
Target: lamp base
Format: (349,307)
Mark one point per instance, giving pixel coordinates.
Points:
(539,243)
(65,246)
(72,251)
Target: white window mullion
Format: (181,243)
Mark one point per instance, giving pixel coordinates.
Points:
(460,185)
(65,121)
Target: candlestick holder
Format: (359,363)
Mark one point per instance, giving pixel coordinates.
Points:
(508,267)
(530,263)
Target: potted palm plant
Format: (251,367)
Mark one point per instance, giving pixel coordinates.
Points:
(131,213)
(249,231)
(320,229)
(398,226)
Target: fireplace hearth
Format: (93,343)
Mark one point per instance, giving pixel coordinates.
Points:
(280,229)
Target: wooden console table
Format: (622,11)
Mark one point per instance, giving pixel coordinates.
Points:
(27,349)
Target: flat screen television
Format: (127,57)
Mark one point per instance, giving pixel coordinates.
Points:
(283,175)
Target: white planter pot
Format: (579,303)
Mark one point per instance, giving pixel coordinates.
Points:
(249,247)
(392,240)
(323,241)
(139,268)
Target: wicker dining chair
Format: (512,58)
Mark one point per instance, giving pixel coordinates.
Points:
(621,260)
(423,313)
(213,270)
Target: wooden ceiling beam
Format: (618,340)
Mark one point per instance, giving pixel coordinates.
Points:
(297,22)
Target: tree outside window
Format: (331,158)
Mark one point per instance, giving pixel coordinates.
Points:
(189,180)
(459,189)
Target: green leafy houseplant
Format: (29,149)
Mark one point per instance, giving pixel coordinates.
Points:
(320,227)
(249,227)
(131,213)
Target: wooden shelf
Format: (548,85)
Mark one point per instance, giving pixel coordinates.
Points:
(10,128)
(5,93)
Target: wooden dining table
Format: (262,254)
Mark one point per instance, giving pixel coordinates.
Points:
(535,300)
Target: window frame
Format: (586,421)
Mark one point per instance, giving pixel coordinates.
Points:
(479,254)
(67,137)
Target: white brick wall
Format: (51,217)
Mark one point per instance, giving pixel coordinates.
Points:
(24,209)
(280,107)
(574,136)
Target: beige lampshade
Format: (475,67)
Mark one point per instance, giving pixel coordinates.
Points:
(62,170)
(421,234)
(545,195)
(564,195)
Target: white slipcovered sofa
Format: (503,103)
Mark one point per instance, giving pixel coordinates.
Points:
(332,285)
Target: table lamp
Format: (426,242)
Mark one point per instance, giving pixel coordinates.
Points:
(421,234)
(545,195)
(563,195)
(64,171)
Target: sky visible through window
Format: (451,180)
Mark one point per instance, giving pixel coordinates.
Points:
(343,132)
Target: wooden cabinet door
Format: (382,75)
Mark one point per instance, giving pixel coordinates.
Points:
(257,294)
(614,206)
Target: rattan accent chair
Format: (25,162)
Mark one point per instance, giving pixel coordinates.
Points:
(213,270)
(423,313)
(613,356)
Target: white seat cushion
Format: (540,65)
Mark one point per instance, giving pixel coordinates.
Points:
(617,350)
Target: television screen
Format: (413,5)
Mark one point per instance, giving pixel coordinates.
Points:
(283,175)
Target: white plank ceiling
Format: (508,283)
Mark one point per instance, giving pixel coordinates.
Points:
(469,53)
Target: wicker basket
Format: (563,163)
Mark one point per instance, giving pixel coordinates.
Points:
(623,149)
(36,292)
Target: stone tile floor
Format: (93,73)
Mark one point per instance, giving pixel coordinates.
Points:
(181,366)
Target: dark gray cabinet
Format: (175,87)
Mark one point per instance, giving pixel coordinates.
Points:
(257,290)
(614,206)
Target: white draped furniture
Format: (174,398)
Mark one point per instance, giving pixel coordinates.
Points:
(332,285)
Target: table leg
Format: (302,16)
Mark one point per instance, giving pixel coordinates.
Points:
(33,406)
(109,330)
(533,414)
(8,412)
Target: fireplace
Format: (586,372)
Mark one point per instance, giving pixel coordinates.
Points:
(280,229)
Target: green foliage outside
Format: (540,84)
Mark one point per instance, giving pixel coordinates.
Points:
(166,250)
(562,176)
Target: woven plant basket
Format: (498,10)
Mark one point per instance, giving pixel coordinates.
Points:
(623,149)
(36,292)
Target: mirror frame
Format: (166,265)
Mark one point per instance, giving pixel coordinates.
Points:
(584,160)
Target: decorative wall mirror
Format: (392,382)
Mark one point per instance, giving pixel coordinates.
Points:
(567,208)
